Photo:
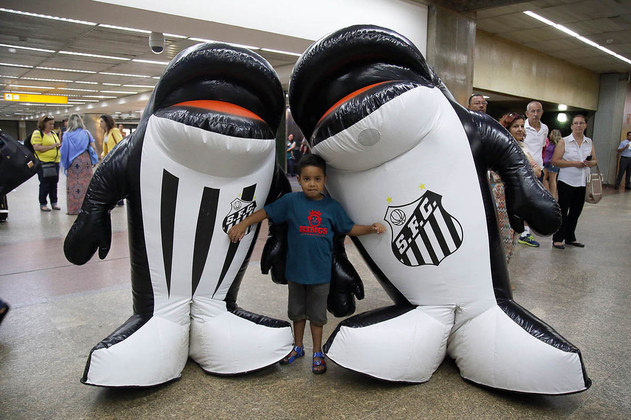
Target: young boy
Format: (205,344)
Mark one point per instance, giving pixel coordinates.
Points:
(312,219)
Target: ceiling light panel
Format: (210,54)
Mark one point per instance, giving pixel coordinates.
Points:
(20,47)
(38,15)
(109,57)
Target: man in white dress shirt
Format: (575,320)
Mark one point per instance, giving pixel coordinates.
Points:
(535,141)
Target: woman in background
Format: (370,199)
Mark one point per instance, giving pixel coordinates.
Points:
(549,170)
(111,137)
(75,158)
(514,123)
(574,156)
(46,145)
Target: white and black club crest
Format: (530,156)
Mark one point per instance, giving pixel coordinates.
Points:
(239,210)
(423,233)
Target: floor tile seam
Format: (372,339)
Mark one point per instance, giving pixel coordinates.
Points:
(62,266)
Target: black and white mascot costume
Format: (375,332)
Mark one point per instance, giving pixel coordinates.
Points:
(202,159)
(399,147)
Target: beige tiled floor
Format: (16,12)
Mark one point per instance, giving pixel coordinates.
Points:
(60,311)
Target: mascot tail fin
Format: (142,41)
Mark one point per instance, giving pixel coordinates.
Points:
(508,348)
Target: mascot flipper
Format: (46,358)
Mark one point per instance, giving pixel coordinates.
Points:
(398,145)
(202,159)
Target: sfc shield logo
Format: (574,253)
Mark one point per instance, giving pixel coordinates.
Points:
(423,233)
(239,210)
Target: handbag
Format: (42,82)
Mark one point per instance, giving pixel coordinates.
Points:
(93,157)
(17,163)
(594,186)
(49,169)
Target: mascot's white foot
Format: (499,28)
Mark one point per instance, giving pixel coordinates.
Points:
(129,357)
(231,342)
(492,349)
(394,343)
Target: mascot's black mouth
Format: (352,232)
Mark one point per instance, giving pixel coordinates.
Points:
(220,88)
(351,65)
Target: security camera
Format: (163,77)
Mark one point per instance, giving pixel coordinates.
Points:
(156,42)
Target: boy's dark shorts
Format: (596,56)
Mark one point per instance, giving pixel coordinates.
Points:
(308,301)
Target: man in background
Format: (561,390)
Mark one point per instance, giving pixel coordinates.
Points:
(625,162)
(477,103)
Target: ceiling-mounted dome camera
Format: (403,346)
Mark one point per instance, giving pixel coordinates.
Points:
(156,42)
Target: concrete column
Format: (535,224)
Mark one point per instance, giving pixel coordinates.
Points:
(451,50)
(615,91)
(91,122)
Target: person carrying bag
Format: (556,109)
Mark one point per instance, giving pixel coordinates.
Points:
(46,145)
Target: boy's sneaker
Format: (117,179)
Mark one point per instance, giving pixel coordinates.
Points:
(528,240)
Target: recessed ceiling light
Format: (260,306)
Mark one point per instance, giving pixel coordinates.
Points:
(139,86)
(31,86)
(77,90)
(562,107)
(83,82)
(124,74)
(19,47)
(17,12)
(68,70)
(2,76)
(119,91)
(175,36)
(46,80)
(111,84)
(576,35)
(109,57)
(124,28)
(162,63)
(16,65)
(99,96)
(202,40)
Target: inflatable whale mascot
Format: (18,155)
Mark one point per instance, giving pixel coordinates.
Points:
(399,147)
(202,159)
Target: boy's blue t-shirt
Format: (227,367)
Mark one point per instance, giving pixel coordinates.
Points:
(311,225)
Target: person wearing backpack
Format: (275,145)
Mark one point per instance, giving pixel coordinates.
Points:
(46,146)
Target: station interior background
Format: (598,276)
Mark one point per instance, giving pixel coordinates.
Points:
(96,53)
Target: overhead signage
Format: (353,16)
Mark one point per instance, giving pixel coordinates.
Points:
(27,97)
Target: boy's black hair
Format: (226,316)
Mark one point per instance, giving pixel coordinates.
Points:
(311,160)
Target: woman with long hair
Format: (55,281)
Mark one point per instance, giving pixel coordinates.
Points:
(112,135)
(75,158)
(46,145)
(549,170)
(574,156)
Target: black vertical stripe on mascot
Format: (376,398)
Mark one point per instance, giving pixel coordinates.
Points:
(202,159)
(398,146)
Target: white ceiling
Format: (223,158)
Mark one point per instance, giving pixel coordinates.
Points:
(607,22)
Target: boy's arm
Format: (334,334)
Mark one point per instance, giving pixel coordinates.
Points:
(237,231)
(359,230)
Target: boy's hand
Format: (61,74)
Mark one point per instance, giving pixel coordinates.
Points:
(378,228)
(237,232)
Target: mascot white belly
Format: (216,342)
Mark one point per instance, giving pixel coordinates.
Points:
(202,159)
(399,147)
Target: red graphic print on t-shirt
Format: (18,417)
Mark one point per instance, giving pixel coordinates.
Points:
(314,219)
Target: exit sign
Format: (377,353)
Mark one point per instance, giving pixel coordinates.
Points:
(27,97)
